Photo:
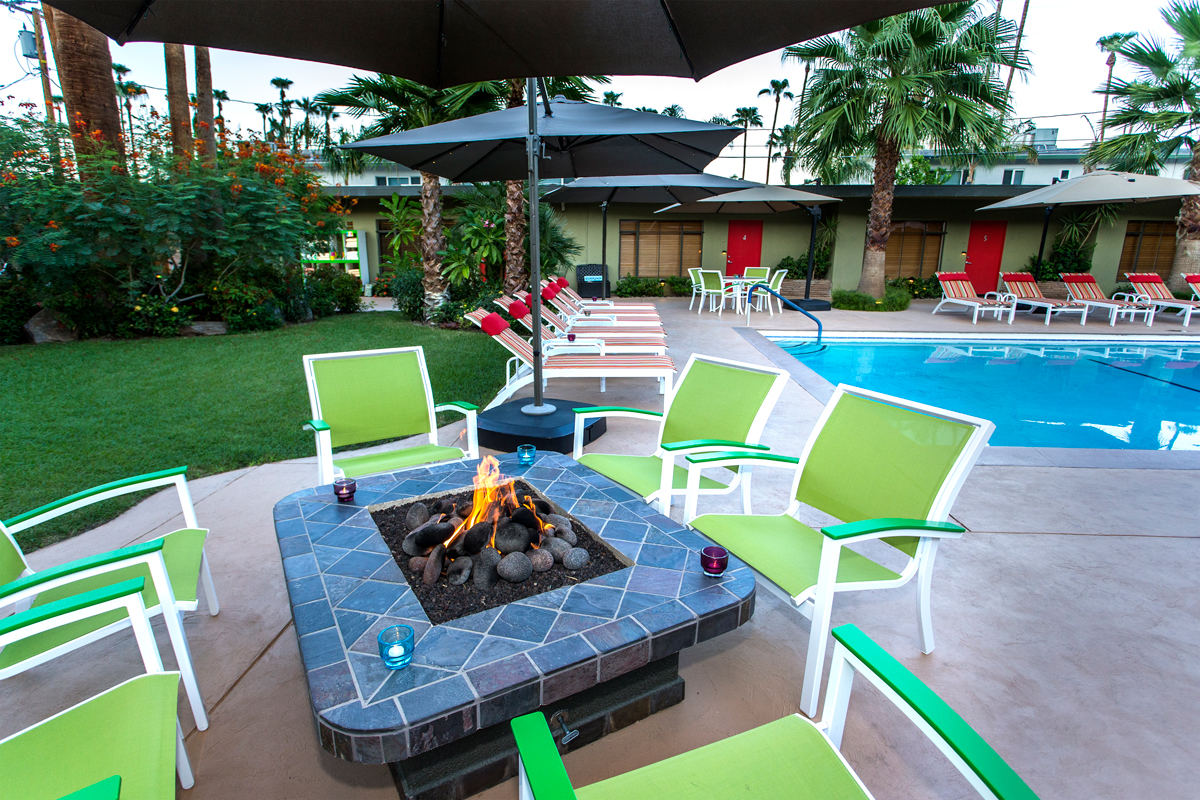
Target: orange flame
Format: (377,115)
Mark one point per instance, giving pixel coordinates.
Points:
(487,503)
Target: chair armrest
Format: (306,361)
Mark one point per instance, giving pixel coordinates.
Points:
(1132,297)
(317,425)
(916,699)
(94,495)
(870,527)
(112,557)
(69,604)
(579,345)
(697,444)
(460,406)
(541,764)
(615,411)
(727,458)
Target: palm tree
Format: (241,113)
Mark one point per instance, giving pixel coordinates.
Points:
(919,79)
(311,109)
(745,117)
(1020,35)
(326,112)
(612,99)
(1161,107)
(398,104)
(285,108)
(674,110)
(85,74)
(786,142)
(220,96)
(721,119)
(128,91)
(267,110)
(205,121)
(120,71)
(778,90)
(1111,44)
(646,109)
(177,100)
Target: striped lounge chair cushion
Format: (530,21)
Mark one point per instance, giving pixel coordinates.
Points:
(1083,286)
(957,286)
(613,362)
(1023,286)
(1151,285)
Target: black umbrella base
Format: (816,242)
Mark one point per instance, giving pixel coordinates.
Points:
(505,426)
(810,304)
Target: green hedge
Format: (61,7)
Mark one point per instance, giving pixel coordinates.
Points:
(894,299)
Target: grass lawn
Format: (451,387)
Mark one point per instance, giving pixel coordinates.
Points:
(82,414)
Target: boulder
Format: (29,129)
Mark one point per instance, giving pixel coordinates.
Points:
(215,328)
(557,547)
(541,559)
(576,558)
(484,572)
(513,538)
(44,327)
(459,571)
(418,515)
(515,567)
(433,567)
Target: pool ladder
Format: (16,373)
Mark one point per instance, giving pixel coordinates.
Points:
(806,349)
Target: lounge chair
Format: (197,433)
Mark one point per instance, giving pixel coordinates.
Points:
(589,330)
(173,565)
(565,304)
(1085,290)
(790,758)
(564,287)
(1193,281)
(568,360)
(1151,289)
(619,343)
(60,765)
(369,395)
(890,469)
(1022,286)
(551,298)
(957,290)
(714,405)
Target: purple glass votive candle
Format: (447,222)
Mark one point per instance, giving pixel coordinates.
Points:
(344,488)
(714,560)
(570,337)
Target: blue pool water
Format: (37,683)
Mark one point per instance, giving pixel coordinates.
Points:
(1108,395)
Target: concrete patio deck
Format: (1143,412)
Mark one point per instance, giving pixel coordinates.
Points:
(1068,625)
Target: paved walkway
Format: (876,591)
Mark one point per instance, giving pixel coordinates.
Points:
(1067,622)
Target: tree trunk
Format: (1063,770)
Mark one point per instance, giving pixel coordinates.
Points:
(205,120)
(745,141)
(879,219)
(1017,51)
(85,74)
(771,139)
(514,212)
(1187,235)
(433,239)
(177,100)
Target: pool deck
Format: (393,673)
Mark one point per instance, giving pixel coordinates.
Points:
(1067,620)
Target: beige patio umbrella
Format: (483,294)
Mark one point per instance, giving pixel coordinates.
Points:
(1096,188)
(766,200)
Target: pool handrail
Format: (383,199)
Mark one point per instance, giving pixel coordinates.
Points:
(782,299)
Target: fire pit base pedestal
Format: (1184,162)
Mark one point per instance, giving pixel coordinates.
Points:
(487,758)
(505,426)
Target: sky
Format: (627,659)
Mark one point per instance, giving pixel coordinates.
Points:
(1060,37)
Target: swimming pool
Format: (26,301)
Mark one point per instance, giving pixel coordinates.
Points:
(1039,393)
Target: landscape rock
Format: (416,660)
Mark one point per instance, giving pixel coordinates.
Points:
(411,547)
(433,567)
(472,540)
(542,507)
(484,572)
(214,328)
(541,559)
(567,534)
(418,515)
(513,538)
(523,516)
(515,567)
(558,521)
(557,547)
(417,564)
(459,571)
(433,535)
(576,558)
(444,506)
(43,327)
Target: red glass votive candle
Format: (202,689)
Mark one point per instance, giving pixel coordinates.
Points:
(713,560)
(344,488)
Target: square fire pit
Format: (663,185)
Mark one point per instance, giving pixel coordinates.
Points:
(481,670)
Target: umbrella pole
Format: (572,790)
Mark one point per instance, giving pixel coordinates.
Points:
(815,212)
(1045,228)
(604,243)
(533,146)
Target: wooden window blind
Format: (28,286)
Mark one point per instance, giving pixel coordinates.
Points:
(914,249)
(1149,247)
(659,248)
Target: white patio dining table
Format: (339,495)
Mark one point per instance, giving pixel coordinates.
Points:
(739,284)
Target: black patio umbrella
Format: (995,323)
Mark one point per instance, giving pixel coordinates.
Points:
(574,140)
(449,42)
(654,189)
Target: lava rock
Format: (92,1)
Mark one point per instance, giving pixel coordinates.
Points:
(464,509)
(472,540)
(485,573)
(411,547)
(541,559)
(417,564)
(515,567)
(418,515)
(558,521)
(455,520)
(557,547)
(523,516)
(576,558)
(433,567)
(432,535)
(513,538)
(444,506)
(567,534)
(543,507)
(459,571)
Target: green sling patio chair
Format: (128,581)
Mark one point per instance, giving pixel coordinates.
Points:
(888,468)
(371,395)
(758,273)
(697,286)
(128,737)
(788,759)
(173,565)
(715,404)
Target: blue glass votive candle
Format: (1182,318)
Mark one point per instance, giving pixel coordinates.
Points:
(344,488)
(714,560)
(396,646)
(526,453)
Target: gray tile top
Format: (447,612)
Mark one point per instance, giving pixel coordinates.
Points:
(489,667)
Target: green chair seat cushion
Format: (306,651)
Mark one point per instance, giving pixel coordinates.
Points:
(182,551)
(642,474)
(785,550)
(128,731)
(787,759)
(354,466)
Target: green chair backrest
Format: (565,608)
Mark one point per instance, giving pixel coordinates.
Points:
(694,274)
(12,562)
(710,279)
(715,401)
(365,398)
(777,279)
(127,731)
(762,273)
(873,459)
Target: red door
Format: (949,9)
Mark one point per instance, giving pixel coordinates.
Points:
(744,248)
(985,246)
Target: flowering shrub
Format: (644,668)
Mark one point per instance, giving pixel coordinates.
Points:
(154,315)
(245,307)
(918,288)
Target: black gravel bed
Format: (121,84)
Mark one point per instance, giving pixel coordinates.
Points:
(443,602)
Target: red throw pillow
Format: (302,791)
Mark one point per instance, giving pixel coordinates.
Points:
(493,324)
(549,293)
(562,283)
(518,310)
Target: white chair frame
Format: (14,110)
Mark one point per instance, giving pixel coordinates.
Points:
(816,602)
(327,472)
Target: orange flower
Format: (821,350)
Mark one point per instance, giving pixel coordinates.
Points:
(12,241)
(52,225)
(53,247)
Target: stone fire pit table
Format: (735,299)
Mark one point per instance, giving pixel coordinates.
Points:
(484,669)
